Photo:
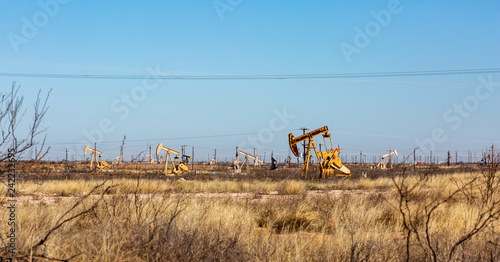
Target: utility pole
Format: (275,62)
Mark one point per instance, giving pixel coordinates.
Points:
(414,158)
(192,159)
(456,157)
(361,157)
(215,155)
(183,147)
(414,150)
(431,158)
(304,143)
(121,149)
(449,158)
(66,155)
(492,160)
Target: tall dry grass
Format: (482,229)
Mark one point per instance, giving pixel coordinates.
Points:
(141,220)
(75,187)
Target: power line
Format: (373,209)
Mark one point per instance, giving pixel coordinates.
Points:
(175,138)
(261,77)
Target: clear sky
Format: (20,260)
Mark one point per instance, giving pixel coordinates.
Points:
(242,37)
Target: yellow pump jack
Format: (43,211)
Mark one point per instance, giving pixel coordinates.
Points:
(177,168)
(328,160)
(100,164)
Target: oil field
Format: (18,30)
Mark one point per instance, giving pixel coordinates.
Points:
(251,210)
(234,130)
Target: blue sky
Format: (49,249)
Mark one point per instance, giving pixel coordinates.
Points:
(257,37)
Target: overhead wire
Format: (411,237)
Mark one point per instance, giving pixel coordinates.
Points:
(259,77)
(173,138)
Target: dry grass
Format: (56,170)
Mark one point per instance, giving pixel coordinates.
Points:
(73,187)
(141,220)
(291,187)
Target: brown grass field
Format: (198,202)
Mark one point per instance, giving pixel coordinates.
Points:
(134,213)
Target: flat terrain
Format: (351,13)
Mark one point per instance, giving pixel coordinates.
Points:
(135,213)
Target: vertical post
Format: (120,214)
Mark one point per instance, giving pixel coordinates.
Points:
(414,158)
(121,150)
(304,143)
(289,158)
(66,155)
(449,158)
(95,155)
(431,158)
(192,159)
(456,157)
(183,147)
(361,157)
(150,157)
(492,158)
(167,156)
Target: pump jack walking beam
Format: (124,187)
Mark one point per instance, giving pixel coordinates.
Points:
(256,161)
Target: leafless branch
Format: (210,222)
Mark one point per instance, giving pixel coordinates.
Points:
(61,222)
(11,115)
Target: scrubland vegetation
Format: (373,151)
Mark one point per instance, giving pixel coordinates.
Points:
(400,216)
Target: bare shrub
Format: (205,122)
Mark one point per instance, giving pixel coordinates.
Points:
(11,114)
(421,211)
